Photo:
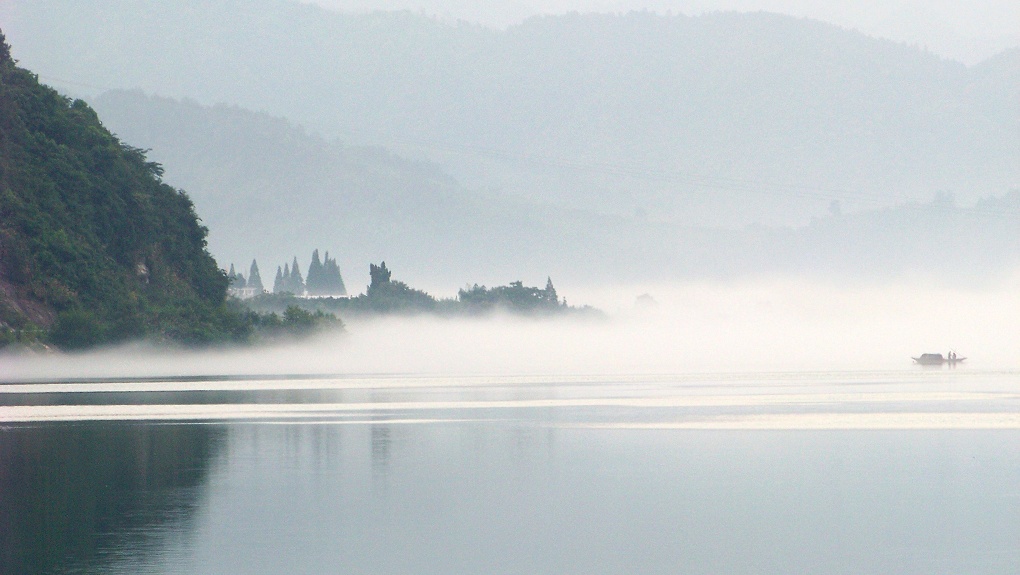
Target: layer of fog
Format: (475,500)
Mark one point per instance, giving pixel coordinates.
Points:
(968,32)
(779,325)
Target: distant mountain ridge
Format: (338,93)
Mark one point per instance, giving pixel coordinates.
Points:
(269,190)
(720,119)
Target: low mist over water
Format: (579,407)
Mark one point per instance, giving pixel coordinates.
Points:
(421,445)
(782,324)
(777,333)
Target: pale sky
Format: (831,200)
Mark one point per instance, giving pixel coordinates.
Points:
(967,31)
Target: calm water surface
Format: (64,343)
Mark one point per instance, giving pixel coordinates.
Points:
(872,472)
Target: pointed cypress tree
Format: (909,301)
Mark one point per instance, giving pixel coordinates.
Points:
(278,282)
(236,280)
(333,284)
(550,292)
(314,281)
(297,283)
(254,279)
(286,278)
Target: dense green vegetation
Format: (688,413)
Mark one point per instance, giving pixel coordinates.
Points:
(94,246)
(292,321)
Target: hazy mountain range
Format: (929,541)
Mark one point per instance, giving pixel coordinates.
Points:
(268,189)
(723,118)
(968,32)
(588,147)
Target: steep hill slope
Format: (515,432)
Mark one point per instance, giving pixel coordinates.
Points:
(720,119)
(92,243)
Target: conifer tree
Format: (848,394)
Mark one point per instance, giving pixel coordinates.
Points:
(314,282)
(278,285)
(286,278)
(297,283)
(236,280)
(550,292)
(254,279)
(333,283)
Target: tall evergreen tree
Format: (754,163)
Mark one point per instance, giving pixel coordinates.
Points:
(286,279)
(236,279)
(254,279)
(314,282)
(297,283)
(550,292)
(278,285)
(332,281)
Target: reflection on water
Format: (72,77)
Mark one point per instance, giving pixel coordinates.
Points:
(68,492)
(912,472)
(381,443)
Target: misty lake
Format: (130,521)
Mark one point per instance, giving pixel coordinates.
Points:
(908,471)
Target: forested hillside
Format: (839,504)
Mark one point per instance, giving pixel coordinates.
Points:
(720,119)
(94,246)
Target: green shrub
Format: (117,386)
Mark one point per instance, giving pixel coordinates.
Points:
(77,329)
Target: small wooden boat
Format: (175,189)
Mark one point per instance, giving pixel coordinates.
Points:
(938,359)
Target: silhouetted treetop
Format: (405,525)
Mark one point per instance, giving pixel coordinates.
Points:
(254,278)
(379,274)
(5,49)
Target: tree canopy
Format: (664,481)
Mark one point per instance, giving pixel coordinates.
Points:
(94,246)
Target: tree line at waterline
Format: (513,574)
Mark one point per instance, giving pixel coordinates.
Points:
(388,296)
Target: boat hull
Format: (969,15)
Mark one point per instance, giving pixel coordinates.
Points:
(937,359)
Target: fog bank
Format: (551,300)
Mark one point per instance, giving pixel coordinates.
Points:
(777,325)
